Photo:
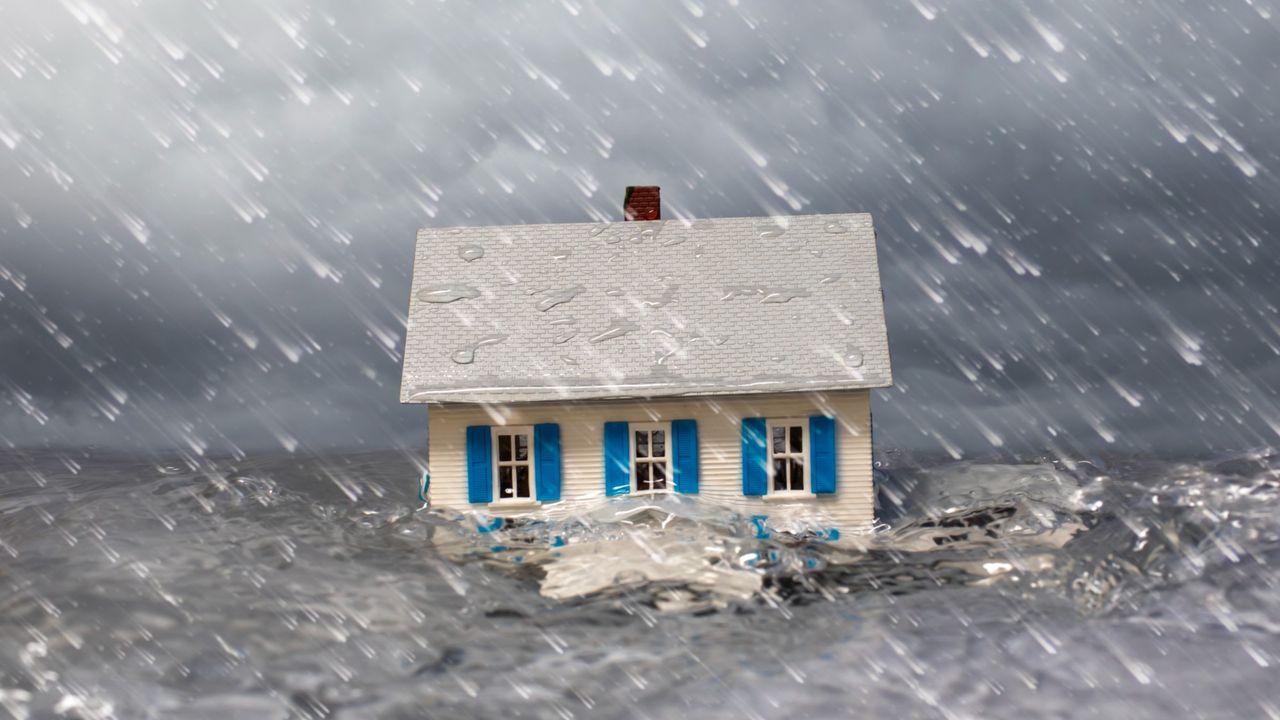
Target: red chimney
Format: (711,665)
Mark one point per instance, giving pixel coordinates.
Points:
(642,202)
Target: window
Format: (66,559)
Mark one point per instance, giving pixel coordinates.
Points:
(788,455)
(650,457)
(513,463)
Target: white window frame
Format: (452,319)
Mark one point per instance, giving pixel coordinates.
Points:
(803,456)
(631,440)
(498,499)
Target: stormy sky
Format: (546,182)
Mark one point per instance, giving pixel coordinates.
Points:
(207,210)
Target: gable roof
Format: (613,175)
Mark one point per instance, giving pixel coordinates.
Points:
(645,309)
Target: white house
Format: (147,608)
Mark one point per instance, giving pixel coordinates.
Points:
(725,361)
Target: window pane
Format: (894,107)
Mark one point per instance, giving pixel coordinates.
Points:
(779,440)
(797,474)
(642,476)
(504,448)
(642,444)
(659,443)
(522,447)
(797,439)
(659,476)
(522,481)
(780,474)
(505,487)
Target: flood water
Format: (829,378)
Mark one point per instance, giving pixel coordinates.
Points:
(295,587)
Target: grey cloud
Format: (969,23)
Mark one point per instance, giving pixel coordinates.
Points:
(216,206)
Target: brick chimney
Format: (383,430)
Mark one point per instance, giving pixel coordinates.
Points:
(642,202)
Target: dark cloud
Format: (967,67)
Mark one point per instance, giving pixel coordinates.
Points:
(206,214)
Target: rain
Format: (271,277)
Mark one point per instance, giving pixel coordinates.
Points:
(209,488)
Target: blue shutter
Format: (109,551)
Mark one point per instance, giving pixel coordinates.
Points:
(617,459)
(684,443)
(546,453)
(755,457)
(479,464)
(822,454)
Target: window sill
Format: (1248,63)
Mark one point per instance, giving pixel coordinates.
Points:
(789,496)
(649,493)
(515,504)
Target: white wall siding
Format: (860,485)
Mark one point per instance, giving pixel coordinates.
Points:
(719,442)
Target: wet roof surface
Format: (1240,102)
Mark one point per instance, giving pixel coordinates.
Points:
(660,308)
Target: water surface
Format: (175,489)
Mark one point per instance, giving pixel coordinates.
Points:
(297,587)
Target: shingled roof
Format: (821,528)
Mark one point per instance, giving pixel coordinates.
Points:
(645,309)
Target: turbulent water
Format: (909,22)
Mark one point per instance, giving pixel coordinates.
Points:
(313,588)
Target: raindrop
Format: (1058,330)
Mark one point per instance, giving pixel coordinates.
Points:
(830,279)
(447,293)
(853,358)
(568,360)
(470,253)
(566,320)
(616,330)
(561,254)
(559,297)
(835,227)
(613,292)
(597,229)
(565,337)
(467,354)
(674,240)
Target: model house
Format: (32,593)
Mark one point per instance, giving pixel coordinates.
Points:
(726,361)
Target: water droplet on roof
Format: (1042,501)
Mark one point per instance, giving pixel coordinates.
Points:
(853,358)
(830,279)
(772,232)
(568,360)
(782,295)
(447,293)
(835,227)
(470,252)
(616,330)
(662,300)
(559,297)
(597,229)
(743,291)
(561,253)
(674,240)
(767,295)
(566,320)
(564,337)
(613,292)
(466,354)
